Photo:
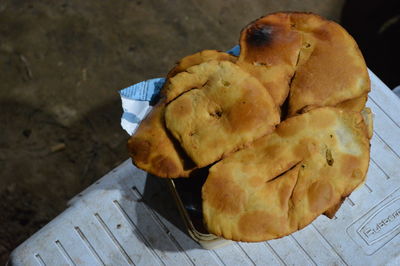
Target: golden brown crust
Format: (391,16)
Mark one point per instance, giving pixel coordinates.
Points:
(368,119)
(331,68)
(355,104)
(223,109)
(316,59)
(151,147)
(269,50)
(198,58)
(330,213)
(288,178)
(153,150)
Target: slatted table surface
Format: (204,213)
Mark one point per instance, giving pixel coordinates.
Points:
(127,218)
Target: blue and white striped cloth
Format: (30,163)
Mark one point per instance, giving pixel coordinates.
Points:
(136,99)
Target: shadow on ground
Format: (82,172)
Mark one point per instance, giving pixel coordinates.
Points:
(43,164)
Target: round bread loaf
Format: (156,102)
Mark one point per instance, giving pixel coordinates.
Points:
(312,59)
(151,147)
(283,181)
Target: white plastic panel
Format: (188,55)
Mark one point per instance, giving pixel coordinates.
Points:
(113,223)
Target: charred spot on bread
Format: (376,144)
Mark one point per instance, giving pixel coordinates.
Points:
(260,35)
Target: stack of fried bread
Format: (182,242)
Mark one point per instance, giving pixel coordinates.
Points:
(283,127)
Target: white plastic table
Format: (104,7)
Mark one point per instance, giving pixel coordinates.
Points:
(127,218)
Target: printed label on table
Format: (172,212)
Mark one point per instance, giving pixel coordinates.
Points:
(379,226)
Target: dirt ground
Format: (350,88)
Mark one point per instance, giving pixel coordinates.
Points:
(61,66)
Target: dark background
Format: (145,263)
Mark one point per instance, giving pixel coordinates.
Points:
(62,63)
